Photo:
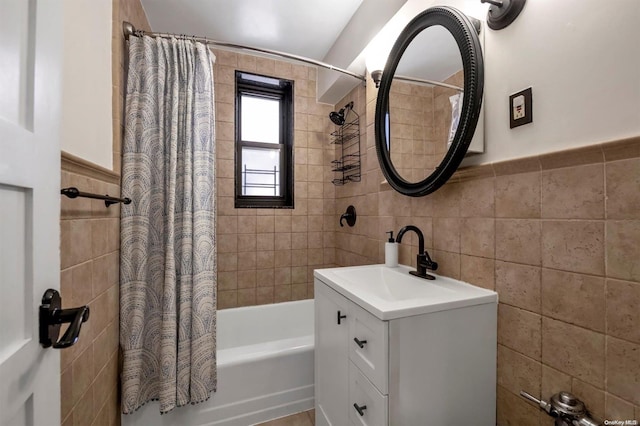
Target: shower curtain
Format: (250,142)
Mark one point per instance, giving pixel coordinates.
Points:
(168,245)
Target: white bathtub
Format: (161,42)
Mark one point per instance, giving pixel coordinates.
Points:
(265,369)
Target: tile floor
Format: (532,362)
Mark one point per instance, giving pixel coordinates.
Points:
(306,418)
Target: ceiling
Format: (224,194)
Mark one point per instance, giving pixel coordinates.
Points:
(332,31)
(432,55)
(343,33)
(307,28)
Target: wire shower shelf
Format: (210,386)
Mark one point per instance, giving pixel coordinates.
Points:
(347,167)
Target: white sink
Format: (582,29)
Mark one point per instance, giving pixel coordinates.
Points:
(390,293)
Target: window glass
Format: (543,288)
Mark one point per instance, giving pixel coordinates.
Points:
(260,119)
(260,171)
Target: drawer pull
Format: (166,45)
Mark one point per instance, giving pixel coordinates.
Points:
(359,409)
(359,342)
(340,317)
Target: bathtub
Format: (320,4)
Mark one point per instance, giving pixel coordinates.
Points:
(265,369)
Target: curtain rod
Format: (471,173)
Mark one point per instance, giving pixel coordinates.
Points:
(429,82)
(130,30)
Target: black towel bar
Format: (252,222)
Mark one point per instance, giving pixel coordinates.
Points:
(74,193)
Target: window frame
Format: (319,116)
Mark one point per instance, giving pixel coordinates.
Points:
(284,93)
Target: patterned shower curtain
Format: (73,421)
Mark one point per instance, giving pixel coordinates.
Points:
(168,245)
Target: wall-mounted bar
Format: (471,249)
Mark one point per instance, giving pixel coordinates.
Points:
(75,193)
(429,82)
(130,30)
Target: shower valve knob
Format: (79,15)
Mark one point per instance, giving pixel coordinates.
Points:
(349,216)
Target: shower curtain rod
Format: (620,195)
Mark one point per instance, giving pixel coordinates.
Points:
(429,82)
(130,30)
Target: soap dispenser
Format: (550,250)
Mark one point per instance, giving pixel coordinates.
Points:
(391,251)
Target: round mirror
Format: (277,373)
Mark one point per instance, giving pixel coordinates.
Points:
(429,101)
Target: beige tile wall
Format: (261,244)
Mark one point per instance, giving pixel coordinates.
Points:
(411,116)
(558,237)
(268,255)
(90,243)
(420,117)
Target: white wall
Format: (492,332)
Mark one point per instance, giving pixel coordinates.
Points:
(86,97)
(368,20)
(582,59)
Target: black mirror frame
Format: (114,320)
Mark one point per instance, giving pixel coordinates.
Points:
(465,34)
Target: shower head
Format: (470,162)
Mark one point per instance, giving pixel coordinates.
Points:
(338,118)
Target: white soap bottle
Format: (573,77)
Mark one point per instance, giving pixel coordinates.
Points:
(391,251)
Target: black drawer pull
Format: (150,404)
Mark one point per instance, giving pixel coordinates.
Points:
(340,317)
(359,409)
(359,342)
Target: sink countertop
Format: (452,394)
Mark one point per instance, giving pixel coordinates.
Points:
(390,293)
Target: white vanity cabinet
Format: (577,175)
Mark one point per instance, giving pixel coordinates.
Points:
(331,356)
(422,366)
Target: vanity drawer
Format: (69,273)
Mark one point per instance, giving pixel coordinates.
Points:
(369,346)
(372,404)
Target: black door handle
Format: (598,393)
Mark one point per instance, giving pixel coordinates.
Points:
(360,408)
(51,316)
(359,342)
(340,317)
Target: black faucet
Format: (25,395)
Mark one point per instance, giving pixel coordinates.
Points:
(424,262)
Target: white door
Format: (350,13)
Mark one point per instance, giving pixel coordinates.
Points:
(30,67)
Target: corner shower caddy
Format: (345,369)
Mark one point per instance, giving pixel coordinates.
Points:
(347,167)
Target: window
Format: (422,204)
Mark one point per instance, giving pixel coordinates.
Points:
(264,141)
